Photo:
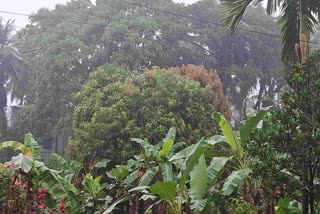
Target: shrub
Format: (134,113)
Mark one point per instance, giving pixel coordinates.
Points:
(115,105)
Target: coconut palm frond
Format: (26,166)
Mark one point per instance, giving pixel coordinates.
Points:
(315,9)
(290,24)
(233,11)
(6,32)
(273,6)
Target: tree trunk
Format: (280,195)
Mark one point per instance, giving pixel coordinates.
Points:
(304,32)
(3,104)
(311,201)
(305,201)
(311,184)
(262,87)
(305,191)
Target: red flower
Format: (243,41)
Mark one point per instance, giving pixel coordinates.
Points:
(43,191)
(18,183)
(41,196)
(62,208)
(9,165)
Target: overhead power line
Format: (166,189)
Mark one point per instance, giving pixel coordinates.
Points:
(148,7)
(201,20)
(195,19)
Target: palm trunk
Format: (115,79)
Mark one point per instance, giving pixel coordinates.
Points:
(304,32)
(3,118)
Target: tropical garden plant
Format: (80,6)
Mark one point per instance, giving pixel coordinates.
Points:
(115,104)
(12,77)
(298,20)
(196,179)
(30,186)
(287,145)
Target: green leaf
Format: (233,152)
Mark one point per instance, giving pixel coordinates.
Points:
(119,173)
(232,139)
(190,162)
(139,189)
(58,159)
(251,123)
(284,202)
(216,139)
(148,176)
(233,11)
(102,163)
(146,197)
(216,166)
(168,142)
(171,134)
(92,185)
(295,207)
(15,146)
(132,177)
(33,146)
(166,190)
(149,149)
(166,148)
(183,153)
(112,206)
(234,180)
(198,184)
(22,162)
(199,179)
(198,205)
(58,186)
(166,171)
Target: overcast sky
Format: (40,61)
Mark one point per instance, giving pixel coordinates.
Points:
(32,6)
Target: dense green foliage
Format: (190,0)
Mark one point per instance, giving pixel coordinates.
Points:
(28,186)
(12,79)
(288,144)
(191,180)
(100,73)
(79,37)
(115,105)
(298,21)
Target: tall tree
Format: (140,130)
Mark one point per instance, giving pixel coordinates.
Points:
(114,105)
(297,21)
(292,133)
(77,38)
(10,70)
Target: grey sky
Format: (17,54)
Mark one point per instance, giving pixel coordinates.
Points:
(32,6)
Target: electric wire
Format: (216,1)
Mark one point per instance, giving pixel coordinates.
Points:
(151,8)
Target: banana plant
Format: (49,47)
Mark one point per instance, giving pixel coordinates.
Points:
(28,164)
(151,165)
(198,169)
(70,170)
(171,186)
(235,142)
(94,194)
(152,161)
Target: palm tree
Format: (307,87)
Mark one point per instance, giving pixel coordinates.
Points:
(10,70)
(297,21)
